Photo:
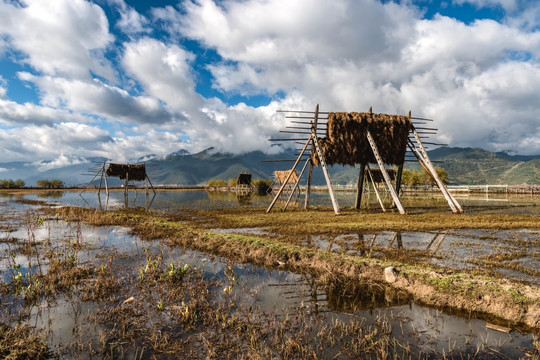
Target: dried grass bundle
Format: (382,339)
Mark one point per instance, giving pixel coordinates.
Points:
(134,172)
(281,176)
(346,142)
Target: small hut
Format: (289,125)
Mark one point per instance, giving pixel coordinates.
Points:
(243,179)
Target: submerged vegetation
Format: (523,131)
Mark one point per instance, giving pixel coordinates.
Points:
(472,292)
(154,297)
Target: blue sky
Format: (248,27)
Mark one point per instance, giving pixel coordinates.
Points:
(123,79)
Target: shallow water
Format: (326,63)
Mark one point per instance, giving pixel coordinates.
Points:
(66,319)
(176,200)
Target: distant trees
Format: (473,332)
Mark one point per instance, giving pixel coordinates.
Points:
(217,183)
(421,177)
(50,184)
(10,184)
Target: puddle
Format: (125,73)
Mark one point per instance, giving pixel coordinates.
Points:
(455,249)
(70,322)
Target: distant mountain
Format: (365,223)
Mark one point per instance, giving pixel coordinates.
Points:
(464,165)
(479,166)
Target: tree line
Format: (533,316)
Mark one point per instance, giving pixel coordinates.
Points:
(421,177)
(19,184)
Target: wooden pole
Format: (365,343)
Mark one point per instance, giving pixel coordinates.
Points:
(310,170)
(375,188)
(398,178)
(288,176)
(126,191)
(325,171)
(360,186)
(296,185)
(421,151)
(384,173)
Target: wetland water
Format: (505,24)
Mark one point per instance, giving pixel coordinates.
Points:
(78,325)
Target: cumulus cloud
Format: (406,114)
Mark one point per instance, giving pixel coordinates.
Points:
(96,97)
(60,161)
(49,141)
(164,71)
(131,22)
(66,37)
(126,97)
(15,114)
(348,61)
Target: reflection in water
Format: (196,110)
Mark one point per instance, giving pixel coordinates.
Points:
(53,194)
(456,249)
(68,320)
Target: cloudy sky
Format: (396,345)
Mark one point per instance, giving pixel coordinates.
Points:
(123,79)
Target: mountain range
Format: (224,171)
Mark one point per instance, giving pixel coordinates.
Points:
(464,166)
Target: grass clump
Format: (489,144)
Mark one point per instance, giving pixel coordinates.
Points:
(20,342)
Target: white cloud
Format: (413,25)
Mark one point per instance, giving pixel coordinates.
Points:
(60,161)
(131,22)
(349,55)
(479,81)
(66,37)
(96,97)
(3,85)
(15,114)
(164,71)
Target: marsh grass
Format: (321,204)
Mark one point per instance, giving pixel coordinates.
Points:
(147,306)
(21,342)
(475,292)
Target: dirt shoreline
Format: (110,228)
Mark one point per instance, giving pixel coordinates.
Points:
(509,303)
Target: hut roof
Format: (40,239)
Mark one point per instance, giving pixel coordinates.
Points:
(136,172)
(346,142)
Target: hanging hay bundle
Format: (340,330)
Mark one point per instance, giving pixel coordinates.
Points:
(243,179)
(281,176)
(346,141)
(134,172)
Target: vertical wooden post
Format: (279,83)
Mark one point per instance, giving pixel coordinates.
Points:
(310,170)
(126,190)
(101,180)
(360,186)
(398,178)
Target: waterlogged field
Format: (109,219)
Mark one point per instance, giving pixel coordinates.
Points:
(210,275)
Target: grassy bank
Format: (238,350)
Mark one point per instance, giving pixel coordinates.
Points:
(512,303)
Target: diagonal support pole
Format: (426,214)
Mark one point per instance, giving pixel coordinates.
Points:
(288,176)
(384,173)
(375,188)
(324,168)
(308,161)
(423,156)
